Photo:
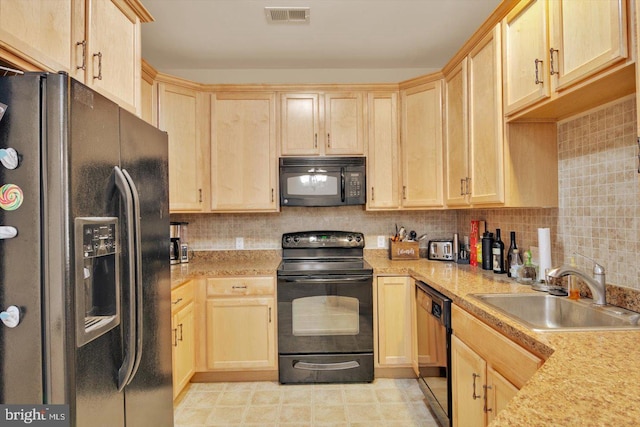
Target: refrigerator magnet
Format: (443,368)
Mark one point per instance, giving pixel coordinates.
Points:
(9,158)
(11,197)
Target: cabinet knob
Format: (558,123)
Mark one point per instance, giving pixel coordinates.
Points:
(551,70)
(475,396)
(538,81)
(486,409)
(99,55)
(83,43)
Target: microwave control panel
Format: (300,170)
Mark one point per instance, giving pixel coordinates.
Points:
(354,190)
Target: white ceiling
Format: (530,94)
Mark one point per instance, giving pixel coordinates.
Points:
(215,40)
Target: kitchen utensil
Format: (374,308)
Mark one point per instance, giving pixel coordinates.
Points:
(402,234)
(412,235)
(422,237)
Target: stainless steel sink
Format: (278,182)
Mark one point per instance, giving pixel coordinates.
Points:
(543,312)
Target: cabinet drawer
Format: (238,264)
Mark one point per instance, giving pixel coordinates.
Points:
(235,286)
(181,296)
(512,361)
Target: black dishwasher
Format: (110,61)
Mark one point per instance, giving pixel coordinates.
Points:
(433,312)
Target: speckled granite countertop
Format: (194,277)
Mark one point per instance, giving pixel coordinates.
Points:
(589,378)
(226,263)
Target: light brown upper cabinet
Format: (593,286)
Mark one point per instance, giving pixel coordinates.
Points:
(421,146)
(321,124)
(95,41)
(383,176)
(474,126)
(184,114)
(112,53)
(526,67)
(586,39)
(39,30)
(243,151)
(637,52)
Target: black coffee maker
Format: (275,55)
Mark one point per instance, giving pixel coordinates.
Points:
(174,233)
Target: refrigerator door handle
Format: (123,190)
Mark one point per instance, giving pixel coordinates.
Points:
(129,332)
(138,273)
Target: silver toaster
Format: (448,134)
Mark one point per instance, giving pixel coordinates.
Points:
(441,250)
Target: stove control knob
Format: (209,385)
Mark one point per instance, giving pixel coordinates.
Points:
(358,239)
(296,239)
(287,239)
(349,237)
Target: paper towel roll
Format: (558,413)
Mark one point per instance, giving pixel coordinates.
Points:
(544,246)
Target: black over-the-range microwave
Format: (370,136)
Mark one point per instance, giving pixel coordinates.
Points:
(322,181)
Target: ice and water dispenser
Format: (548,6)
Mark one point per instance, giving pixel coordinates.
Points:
(97,287)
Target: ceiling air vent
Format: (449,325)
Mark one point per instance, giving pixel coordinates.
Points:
(287,15)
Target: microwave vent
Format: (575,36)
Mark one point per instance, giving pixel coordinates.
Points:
(284,15)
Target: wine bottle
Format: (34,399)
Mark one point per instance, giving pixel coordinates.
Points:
(512,247)
(497,251)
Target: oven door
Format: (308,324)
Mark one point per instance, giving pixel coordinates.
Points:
(325,328)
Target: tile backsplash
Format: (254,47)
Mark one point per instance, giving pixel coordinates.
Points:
(598,213)
(264,231)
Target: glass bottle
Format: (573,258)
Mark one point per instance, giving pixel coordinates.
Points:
(515,265)
(572,286)
(512,247)
(497,252)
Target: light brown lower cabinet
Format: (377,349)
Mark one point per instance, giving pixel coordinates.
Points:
(240,323)
(394,321)
(487,370)
(183,336)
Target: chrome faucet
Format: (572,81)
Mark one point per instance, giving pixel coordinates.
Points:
(596,283)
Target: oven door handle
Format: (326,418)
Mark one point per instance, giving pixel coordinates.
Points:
(316,279)
(339,366)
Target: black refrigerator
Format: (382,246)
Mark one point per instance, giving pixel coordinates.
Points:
(84,268)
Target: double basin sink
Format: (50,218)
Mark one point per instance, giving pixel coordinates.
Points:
(543,312)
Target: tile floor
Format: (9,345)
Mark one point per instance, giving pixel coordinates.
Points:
(385,402)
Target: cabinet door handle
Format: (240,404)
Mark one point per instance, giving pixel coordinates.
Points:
(199,195)
(538,81)
(269,314)
(175,337)
(272,195)
(329,140)
(404,192)
(638,154)
(551,70)
(486,409)
(475,396)
(99,55)
(373,195)
(176,301)
(239,287)
(181,337)
(467,181)
(315,141)
(462,181)
(83,43)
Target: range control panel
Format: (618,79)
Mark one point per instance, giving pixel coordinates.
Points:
(323,239)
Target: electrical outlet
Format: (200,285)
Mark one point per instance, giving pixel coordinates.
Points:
(239,243)
(381,241)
